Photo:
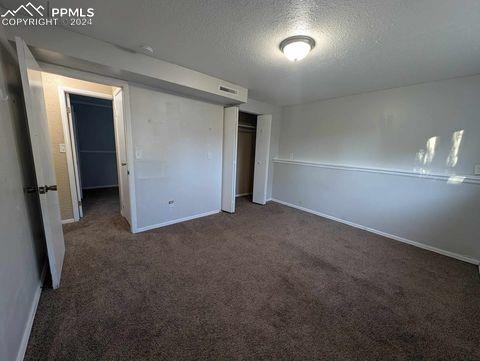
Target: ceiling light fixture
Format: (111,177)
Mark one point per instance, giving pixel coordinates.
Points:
(297,47)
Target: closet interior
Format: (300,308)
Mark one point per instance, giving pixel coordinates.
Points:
(247,129)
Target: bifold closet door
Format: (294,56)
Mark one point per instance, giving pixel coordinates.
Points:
(229,167)
(262,158)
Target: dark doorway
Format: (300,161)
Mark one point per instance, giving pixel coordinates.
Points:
(93,125)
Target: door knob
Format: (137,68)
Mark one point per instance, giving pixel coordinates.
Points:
(45,189)
(123,164)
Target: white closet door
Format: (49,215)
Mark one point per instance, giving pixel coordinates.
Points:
(262,158)
(229,169)
(121,148)
(72,130)
(42,156)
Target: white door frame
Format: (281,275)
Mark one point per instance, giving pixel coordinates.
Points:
(262,185)
(99,79)
(71,143)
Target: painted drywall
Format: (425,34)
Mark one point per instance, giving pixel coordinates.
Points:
(22,250)
(51,84)
(95,135)
(178,156)
(427,128)
(256,107)
(60,46)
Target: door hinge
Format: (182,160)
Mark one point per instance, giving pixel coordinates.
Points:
(69,110)
(79,203)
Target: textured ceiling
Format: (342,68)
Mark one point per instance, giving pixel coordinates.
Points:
(362,45)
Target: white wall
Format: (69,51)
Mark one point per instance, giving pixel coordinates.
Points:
(178,156)
(74,50)
(22,247)
(427,128)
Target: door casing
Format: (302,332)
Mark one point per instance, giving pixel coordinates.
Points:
(262,158)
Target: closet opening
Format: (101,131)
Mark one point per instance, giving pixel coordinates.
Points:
(246,144)
(93,141)
(246,157)
(88,141)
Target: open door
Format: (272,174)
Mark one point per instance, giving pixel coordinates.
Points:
(45,174)
(262,158)
(229,169)
(121,148)
(75,156)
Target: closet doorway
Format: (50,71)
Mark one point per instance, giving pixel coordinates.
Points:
(234,125)
(93,141)
(246,143)
(94,132)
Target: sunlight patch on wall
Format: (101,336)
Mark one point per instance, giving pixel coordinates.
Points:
(424,157)
(452,158)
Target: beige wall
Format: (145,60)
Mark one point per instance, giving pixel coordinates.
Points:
(51,83)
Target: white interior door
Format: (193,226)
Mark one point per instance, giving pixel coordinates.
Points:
(42,156)
(75,155)
(262,158)
(121,148)
(229,168)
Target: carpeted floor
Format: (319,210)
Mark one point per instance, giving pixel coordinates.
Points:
(268,283)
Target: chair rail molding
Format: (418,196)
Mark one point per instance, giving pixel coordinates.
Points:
(450,178)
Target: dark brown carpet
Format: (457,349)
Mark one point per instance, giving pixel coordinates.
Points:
(268,283)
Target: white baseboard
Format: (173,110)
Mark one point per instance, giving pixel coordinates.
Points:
(70,220)
(31,317)
(101,187)
(243,194)
(158,225)
(391,236)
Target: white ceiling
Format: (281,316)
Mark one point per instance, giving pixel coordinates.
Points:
(362,45)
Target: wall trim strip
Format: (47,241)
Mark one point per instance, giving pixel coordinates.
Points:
(178,220)
(384,234)
(243,194)
(454,179)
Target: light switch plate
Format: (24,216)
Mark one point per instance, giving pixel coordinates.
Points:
(138,153)
(477,169)
(62,148)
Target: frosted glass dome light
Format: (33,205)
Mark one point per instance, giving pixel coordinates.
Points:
(296,48)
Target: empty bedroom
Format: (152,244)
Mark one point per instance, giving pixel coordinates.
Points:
(240,180)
